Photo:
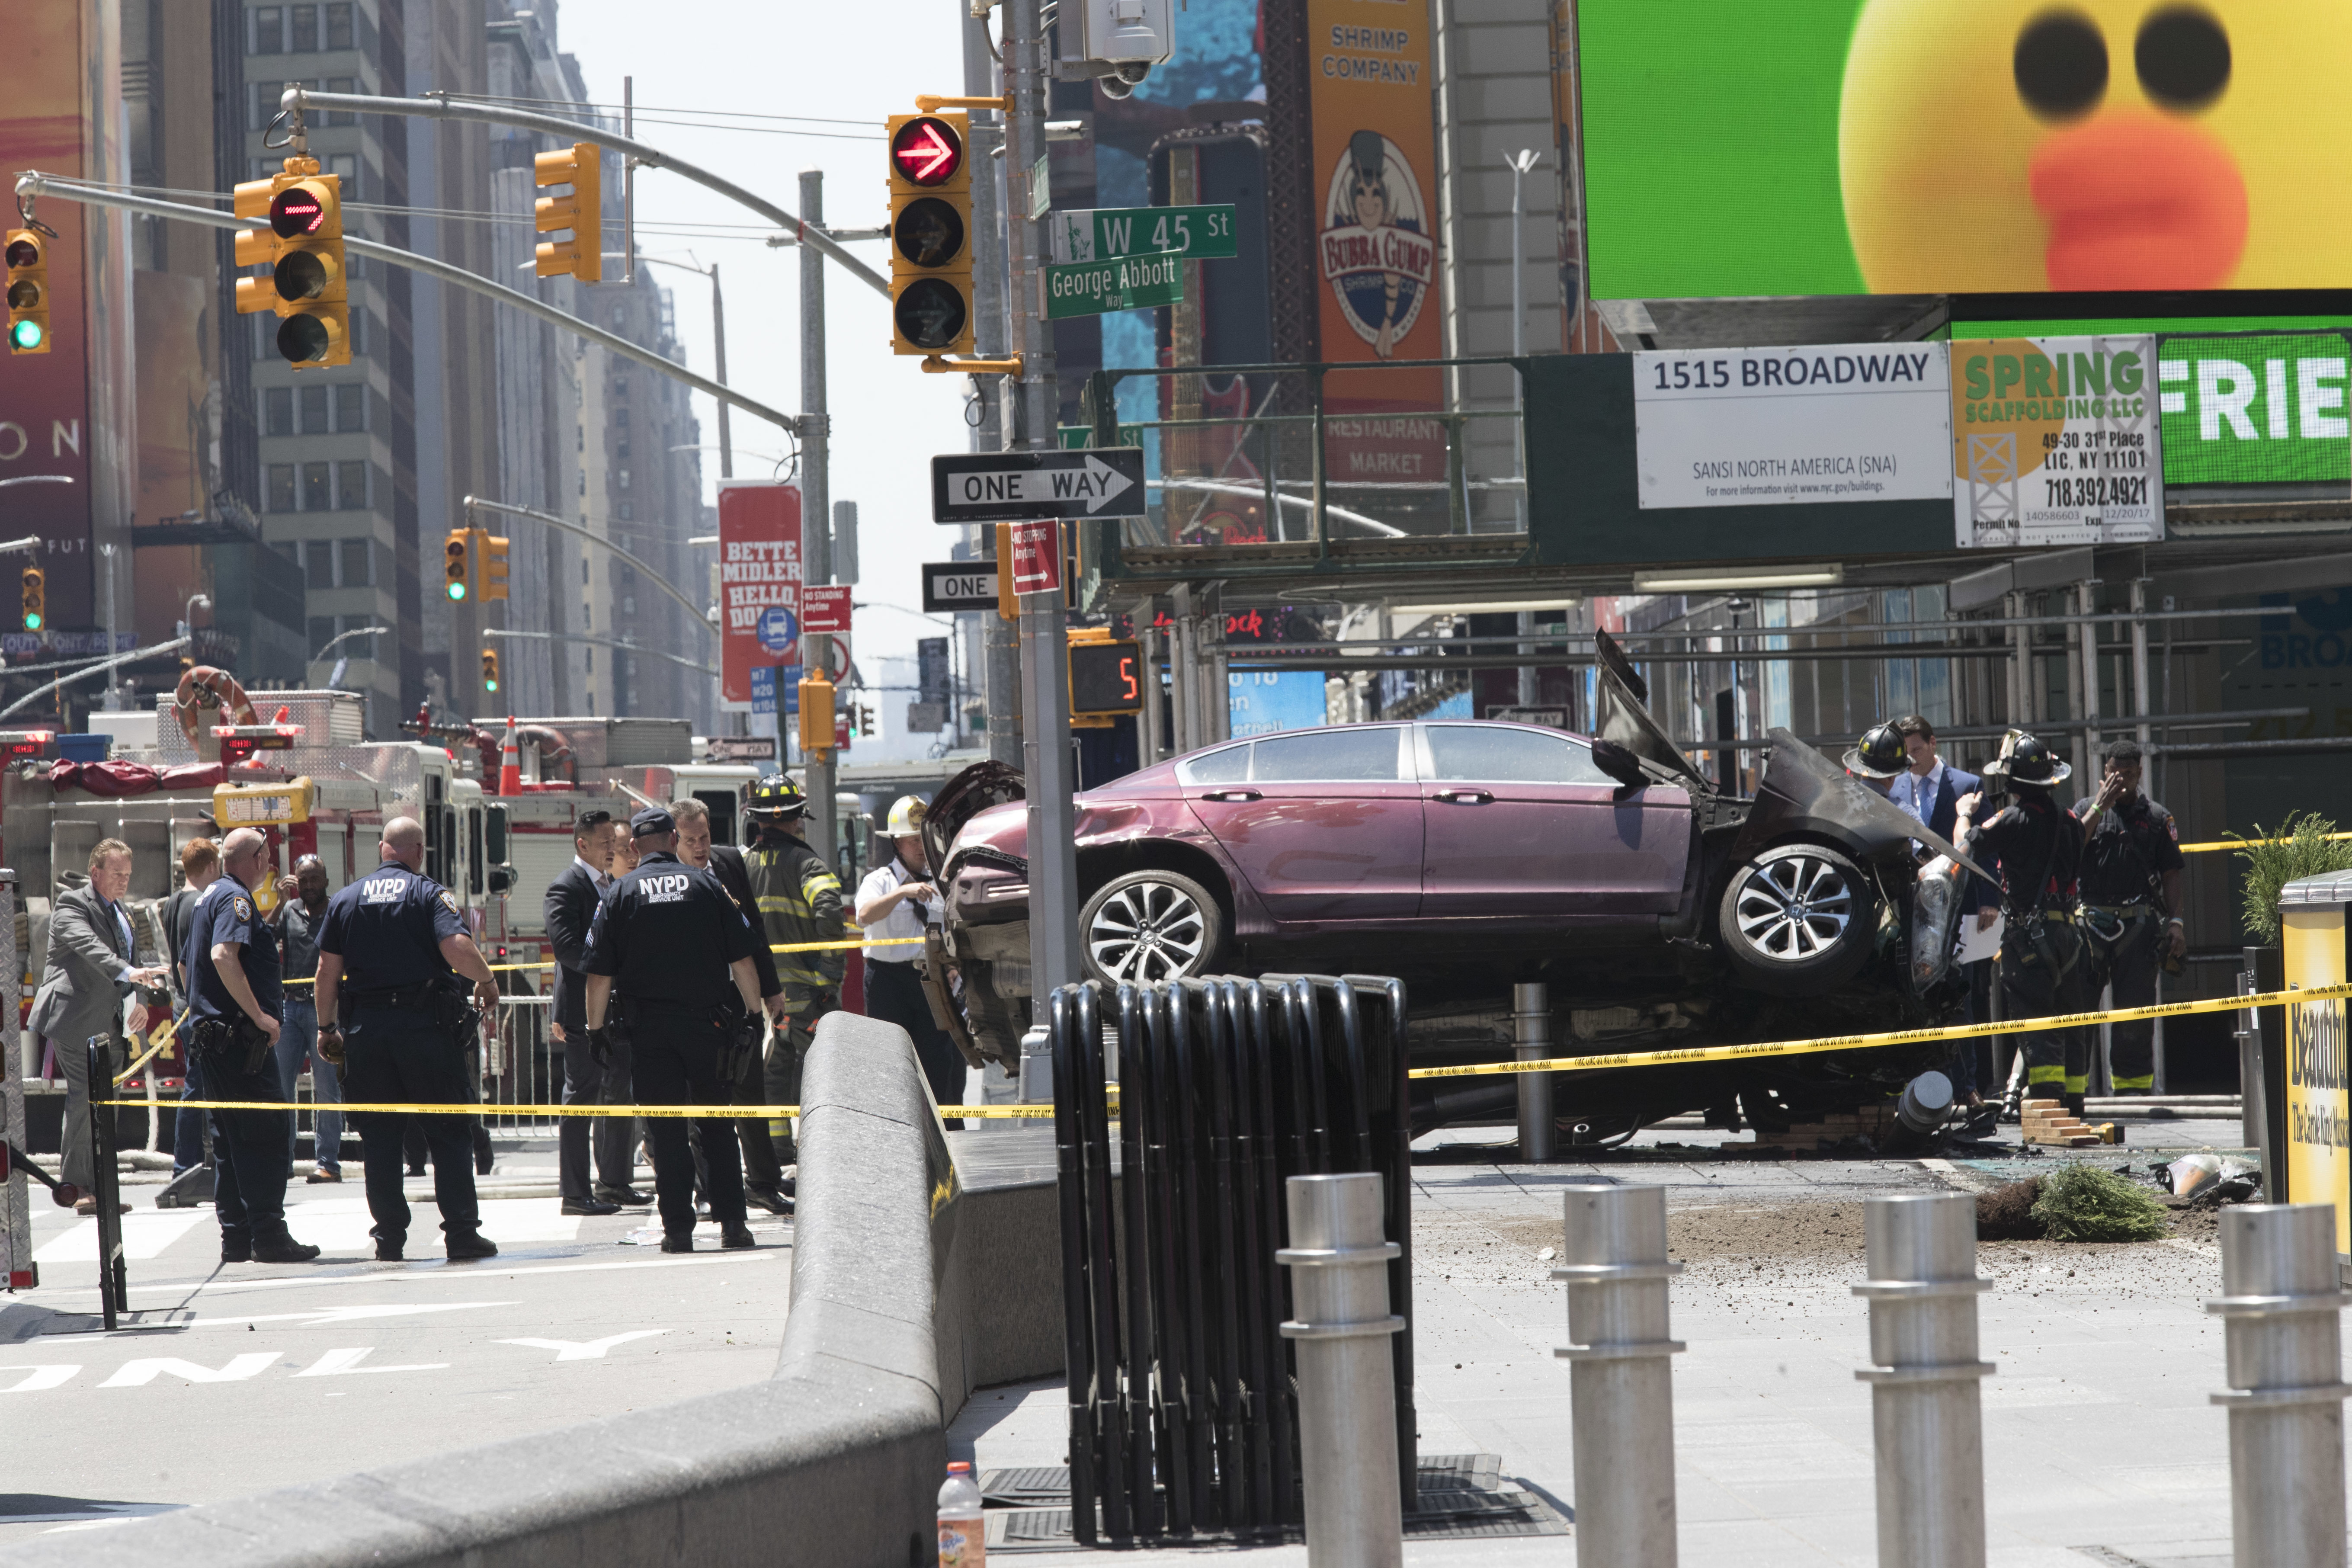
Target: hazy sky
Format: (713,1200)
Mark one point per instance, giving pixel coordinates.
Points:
(853,60)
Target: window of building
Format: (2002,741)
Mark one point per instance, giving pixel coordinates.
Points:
(621,390)
(629,513)
(620,418)
(620,315)
(302,29)
(590,655)
(347,166)
(338,31)
(278,411)
(265,104)
(314,408)
(623,480)
(628,603)
(318,564)
(583,572)
(358,561)
(351,485)
(624,453)
(281,487)
(581,444)
(270,31)
(584,481)
(350,407)
(341,83)
(316,496)
(322,631)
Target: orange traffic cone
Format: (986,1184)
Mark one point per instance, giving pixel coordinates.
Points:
(509,762)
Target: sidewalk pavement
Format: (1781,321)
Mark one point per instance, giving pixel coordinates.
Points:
(2101,1446)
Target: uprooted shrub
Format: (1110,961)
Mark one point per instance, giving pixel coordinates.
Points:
(2090,1203)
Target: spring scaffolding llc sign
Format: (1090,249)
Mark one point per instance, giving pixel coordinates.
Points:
(1785,426)
(2056,441)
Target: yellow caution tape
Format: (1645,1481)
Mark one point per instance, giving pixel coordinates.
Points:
(2209,847)
(1890,1038)
(700,1112)
(157,1043)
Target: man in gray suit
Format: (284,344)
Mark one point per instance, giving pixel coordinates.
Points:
(92,966)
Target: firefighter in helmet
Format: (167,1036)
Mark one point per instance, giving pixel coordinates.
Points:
(800,903)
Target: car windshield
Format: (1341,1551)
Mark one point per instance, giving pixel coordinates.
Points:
(1499,755)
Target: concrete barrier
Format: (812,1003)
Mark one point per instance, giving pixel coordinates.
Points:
(908,1292)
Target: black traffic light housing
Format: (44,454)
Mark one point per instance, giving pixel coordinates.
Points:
(931,234)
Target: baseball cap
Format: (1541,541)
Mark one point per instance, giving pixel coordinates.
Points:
(653,819)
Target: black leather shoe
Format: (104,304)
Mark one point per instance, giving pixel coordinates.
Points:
(235,1251)
(390,1251)
(590,1206)
(626,1197)
(735,1237)
(678,1244)
(416,1169)
(285,1249)
(464,1245)
(773,1202)
(791,1184)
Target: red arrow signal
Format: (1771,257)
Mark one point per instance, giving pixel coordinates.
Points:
(927,152)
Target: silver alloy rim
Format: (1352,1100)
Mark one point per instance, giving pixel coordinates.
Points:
(1147,932)
(1794,909)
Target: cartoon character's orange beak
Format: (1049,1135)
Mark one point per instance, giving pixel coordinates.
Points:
(2135,202)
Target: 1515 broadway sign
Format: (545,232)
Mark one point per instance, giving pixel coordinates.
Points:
(2055,441)
(1761,427)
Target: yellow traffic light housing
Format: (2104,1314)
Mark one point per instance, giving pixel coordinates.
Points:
(493,549)
(29,291)
(302,245)
(931,234)
(489,669)
(457,565)
(816,715)
(583,255)
(36,599)
(256,246)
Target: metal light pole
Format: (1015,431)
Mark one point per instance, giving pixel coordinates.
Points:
(1054,956)
(1518,163)
(1000,638)
(817,507)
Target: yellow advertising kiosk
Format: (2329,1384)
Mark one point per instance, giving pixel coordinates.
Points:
(2316,1158)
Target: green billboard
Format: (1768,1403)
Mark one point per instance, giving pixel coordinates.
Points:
(1808,147)
(2254,408)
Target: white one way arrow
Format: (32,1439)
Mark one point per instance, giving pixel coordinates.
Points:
(584,1350)
(1103,484)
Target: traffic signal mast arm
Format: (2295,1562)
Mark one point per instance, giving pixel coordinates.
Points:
(34,183)
(701,612)
(442,106)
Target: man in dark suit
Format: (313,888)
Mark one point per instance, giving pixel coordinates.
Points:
(92,966)
(571,900)
(1931,793)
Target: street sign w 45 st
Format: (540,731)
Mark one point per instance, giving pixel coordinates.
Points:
(1103,234)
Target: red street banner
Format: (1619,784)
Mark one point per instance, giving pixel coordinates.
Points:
(826,610)
(759,582)
(1036,557)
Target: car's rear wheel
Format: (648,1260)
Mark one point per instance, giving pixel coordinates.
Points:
(1151,925)
(1798,920)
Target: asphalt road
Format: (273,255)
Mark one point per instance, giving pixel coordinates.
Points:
(257,1376)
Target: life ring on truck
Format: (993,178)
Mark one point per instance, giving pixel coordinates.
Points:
(222,688)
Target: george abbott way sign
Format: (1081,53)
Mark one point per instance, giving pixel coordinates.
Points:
(1019,487)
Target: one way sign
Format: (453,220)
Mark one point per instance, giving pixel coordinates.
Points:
(1015,487)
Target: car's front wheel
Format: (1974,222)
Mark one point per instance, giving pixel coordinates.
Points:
(1148,926)
(1798,920)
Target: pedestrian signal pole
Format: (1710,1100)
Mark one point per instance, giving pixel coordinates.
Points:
(816,538)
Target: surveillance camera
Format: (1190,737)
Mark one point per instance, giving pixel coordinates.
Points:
(1132,72)
(1114,87)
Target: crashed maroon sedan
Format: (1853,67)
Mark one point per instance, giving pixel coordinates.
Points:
(1465,857)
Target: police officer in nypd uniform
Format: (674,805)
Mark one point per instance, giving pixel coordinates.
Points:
(393,1013)
(236,991)
(670,962)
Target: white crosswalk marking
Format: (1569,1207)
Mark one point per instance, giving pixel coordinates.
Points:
(584,1350)
(346,1364)
(37,1378)
(138,1373)
(143,1236)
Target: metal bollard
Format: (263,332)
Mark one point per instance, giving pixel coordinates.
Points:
(2284,1336)
(1925,1402)
(1531,1015)
(1620,1381)
(1347,1382)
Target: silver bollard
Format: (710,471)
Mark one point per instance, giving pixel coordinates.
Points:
(2281,1325)
(1346,1378)
(1926,1400)
(1531,1016)
(1621,1382)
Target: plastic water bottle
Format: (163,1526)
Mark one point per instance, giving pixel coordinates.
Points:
(963,1542)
